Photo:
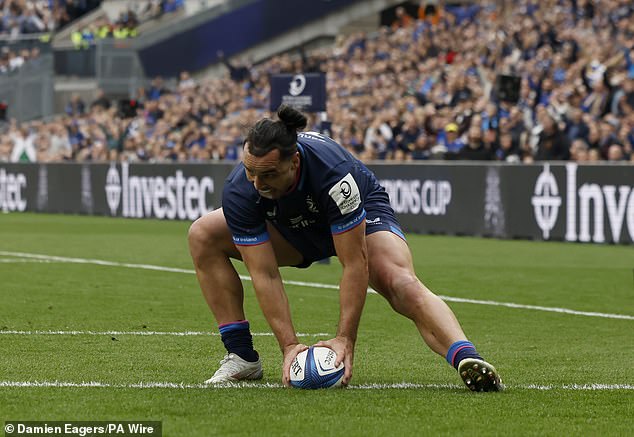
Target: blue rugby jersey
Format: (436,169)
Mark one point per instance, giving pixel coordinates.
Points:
(330,198)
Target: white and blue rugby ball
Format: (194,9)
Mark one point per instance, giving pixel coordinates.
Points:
(315,368)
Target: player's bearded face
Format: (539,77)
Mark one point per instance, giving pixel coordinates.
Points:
(269,175)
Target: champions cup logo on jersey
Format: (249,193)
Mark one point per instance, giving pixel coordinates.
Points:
(585,222)
(346,194)
(346,190)
(161,197)
(11,189)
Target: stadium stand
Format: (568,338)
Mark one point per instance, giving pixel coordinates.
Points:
(26,23)
(129,18)
(19,17)
(432,87)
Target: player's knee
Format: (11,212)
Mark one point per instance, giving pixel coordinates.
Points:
(406,293)
(195,236)
(405,283)
(200,238)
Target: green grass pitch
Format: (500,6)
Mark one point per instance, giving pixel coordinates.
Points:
(566,373)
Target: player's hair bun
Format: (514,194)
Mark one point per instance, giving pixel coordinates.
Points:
(292,118)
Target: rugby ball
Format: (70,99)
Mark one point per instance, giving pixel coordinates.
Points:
(315,368)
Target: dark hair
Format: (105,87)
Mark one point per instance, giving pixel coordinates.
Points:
(267,135)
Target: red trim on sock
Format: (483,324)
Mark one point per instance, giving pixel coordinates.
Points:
(453,357)
(231,323)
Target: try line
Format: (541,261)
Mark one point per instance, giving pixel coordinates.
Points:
(269,385)
(62,259)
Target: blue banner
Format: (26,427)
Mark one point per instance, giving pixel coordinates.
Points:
(252,22)
(306,92)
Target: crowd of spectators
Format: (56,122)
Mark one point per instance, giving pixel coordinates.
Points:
(420,89)
(13,60)
(22,17)
(127,23)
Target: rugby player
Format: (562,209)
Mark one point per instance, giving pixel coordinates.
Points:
(296,199)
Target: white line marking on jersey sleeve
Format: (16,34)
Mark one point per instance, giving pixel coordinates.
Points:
(269,385)
(312,284)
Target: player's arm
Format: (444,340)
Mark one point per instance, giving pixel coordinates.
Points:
(269,290)
(353,254)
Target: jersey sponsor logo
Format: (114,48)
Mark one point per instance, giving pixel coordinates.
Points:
(343,227)
(300,222)
(272,214)
(374,221)
(346,194)
(311,205)
(313,136)
(250,240)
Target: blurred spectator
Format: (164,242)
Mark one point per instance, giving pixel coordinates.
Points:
(509,150)
(553,144)
(101,101)
(156,89)
(579,151)
(430,13)
(475,148)
(421,148)
(615,153)
(59,148)
(452,142)
(407,138)
(23,146)
(238,72)
(403,19)
(5,149)
(75,106)
(186,82)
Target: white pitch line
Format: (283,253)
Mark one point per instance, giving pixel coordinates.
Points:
(167,333)
(268,385)
(537,308)
(52,258)
(98,262)
(314,285)
(22,260)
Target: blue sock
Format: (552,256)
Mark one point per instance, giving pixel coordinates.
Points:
(459,351)
(237,339)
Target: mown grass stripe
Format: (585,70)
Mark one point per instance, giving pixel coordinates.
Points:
(316,285)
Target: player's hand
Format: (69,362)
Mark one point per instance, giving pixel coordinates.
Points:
(290,353)
(344,348)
